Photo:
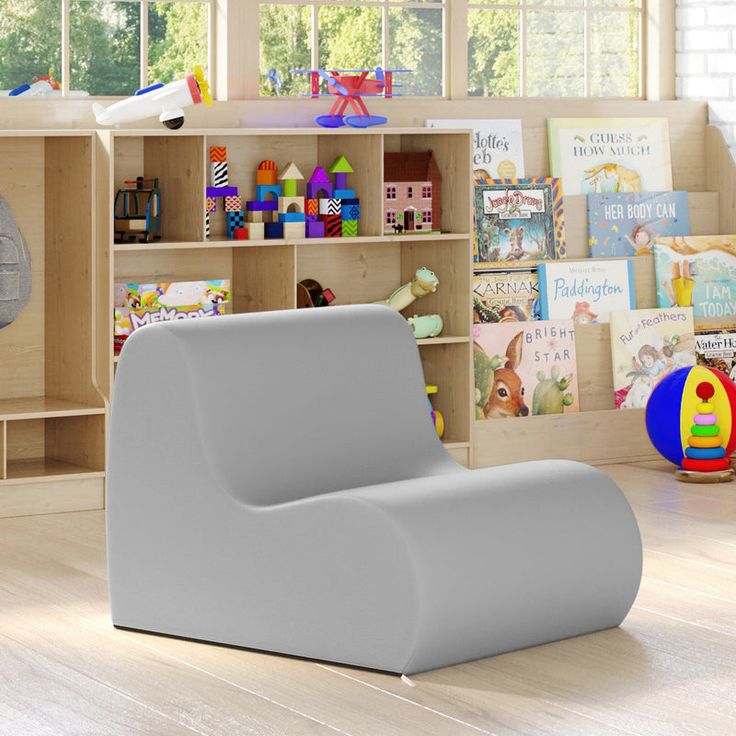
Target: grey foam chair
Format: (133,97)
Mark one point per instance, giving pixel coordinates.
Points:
(275,482)
(15,267)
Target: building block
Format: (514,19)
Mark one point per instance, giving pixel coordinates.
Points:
(349,200)
(241,233)
(221,191)
(211,205)
(256,231)
(311,206)
(263,190)
(319,184)
(233,204)
(235,220)
(315,229)
(218,173)
(271,205)
(294,229)
(350,212)
(343,193)
(329,206)
(290,175)
(341,168)
(349,228)
(333,226)
(206,225)
(218,154)
(274,230)
(259,216)
(292,217)
(266,173)
(286,202)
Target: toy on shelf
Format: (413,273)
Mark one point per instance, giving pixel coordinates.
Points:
(691,421)
(424,282)
(15,267)
(426,325)
(437,419)
(138,211)
(165,100)
(309,293)
(220,189)
(411,193)
(44,85)
(349,86)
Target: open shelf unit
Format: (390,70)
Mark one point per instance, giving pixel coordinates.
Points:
(264,273)
(52,417)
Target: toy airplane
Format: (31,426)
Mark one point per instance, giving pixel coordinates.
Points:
(349,85)
(168,99)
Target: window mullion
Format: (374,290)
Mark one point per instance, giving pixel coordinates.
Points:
(65,65)
(522,49)
(144,44)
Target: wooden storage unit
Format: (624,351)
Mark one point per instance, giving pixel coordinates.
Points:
(264,273)
(52,417)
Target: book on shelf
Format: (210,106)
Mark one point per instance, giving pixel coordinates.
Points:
(505,295)
(525,369)
(646,346)
(628,223)
(498,148)
(697,271)
(140,304)
(594,155)
(585,291)
(716,348)
(518,220)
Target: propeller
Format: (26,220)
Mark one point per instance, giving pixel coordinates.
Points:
(204,85)
(333,82)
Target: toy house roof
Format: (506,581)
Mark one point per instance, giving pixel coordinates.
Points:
(291,172)
(410,166)
(341,166)
(319,176)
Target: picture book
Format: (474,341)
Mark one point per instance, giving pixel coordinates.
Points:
(498,149)
(697,271)
(585,291)
(137,305)
(627,223)
(716,348)
(595,155)
(647,345)
(505,295)
(525,369)
(518,220)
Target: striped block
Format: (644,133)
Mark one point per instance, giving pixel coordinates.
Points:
(218,154)
(218,173)
(211,205)
(350,212)
(311,206)
(206,225)
(329,206)
(233,204)
(333,226)
(349,228)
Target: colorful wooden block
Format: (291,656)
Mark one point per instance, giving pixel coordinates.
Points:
(319,184)
(292,217)
(234,221)
(221,191)
(259,216)
(349,200)
(350,212)
(349,228)
(218,154)
(206,225)
(241,233)
(311,206)
(264,190)
(256,231)
(266,173)
(218,174)
(296,202)
(294,229)
(211,205)
(343,193)
(271,205)
(333,226)
(315,229)
(329,206)
(233,204)
(274,230)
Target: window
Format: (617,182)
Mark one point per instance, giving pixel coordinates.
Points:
(426,191)
(114,46)
(555,48)
(426,216)
(355,34)
(391,192)
(409,192)
(390,217)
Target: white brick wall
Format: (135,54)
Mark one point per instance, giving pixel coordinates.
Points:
(706,59)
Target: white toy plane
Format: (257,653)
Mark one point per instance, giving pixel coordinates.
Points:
(166,99)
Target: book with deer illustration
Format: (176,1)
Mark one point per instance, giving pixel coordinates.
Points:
(525,369)
(716,348)
(585,291)
(646,346)
(628,223)
(505,295)
(498,148)
(518,220)
(597,155)
(697,271)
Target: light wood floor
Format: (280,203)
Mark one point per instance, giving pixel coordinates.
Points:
(670,670)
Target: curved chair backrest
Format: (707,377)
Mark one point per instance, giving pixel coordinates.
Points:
(286,405)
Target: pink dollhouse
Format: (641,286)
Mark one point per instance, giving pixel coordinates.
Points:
(411,192)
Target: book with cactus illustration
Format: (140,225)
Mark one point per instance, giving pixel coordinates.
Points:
(585,291)
(505,295)
(628,223)
(498,147)
(716,348)
(646,346)
(598,155)
(697,271)
(518,220)
(524,369)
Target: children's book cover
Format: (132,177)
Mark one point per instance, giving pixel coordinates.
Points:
(716,348)
(518,220)
(697,271)
(585,291)
(594,155)
(646,346)
(627,223)
(137,305)
(505,295)
(525,369)
(498,148)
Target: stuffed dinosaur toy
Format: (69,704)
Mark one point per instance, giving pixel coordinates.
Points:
(15,267)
